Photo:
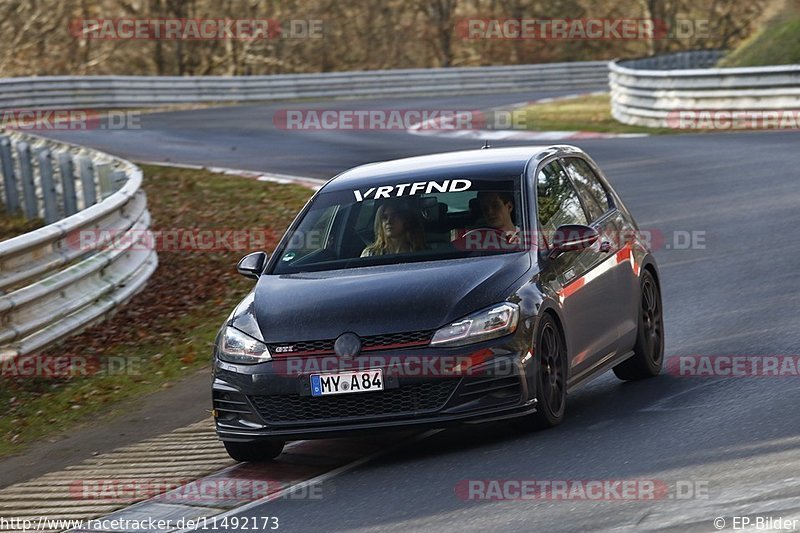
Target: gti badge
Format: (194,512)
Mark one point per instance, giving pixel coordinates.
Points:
(284,349)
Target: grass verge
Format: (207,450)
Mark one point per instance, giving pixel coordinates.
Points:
(582,113)
(167,329)
(16,225)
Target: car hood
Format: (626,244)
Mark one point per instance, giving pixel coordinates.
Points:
(381,299)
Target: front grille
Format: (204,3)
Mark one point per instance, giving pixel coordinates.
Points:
(410,398)
(373,342)
(303,348)
(399,339)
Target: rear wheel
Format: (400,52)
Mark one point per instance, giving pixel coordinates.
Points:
(254,451)
(648,351)
(551,378)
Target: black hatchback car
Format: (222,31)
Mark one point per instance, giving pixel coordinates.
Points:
(457,287)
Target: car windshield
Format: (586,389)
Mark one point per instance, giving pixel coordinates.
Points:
(401,221)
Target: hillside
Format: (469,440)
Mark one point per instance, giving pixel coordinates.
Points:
(776,43)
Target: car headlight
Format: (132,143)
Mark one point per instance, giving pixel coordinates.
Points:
(238,347)
(490,323)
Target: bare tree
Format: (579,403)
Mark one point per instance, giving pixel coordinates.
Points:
(366,34)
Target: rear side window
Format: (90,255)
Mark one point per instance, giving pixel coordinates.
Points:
(593,194)
(557,200)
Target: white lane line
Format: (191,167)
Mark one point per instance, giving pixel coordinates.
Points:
(321,478)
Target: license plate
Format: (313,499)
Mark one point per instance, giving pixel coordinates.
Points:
(346,382)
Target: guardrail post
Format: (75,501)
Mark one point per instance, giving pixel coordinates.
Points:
(103,176)
(87,181)
(48,186)
(118,179)
(67,169)
(9,178)
(28,185)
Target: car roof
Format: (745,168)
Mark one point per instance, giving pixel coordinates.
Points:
(495,161)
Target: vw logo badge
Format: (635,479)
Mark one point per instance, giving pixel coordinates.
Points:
(347,345)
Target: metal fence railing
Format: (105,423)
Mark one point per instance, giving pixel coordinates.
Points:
(652,91)
(96,92)
(90,257)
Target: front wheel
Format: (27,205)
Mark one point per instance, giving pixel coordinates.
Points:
(551,378)
(648,351)
(254,451)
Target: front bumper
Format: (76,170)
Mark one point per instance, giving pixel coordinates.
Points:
(273,399)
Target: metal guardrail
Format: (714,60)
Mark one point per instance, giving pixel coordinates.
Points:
(651,91)
(96,92)
(64,277)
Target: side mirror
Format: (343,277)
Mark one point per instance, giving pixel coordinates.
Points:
(572,238)
(252,265)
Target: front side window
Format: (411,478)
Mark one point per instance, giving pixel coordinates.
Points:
(594,195)
(398,222)
(557,201)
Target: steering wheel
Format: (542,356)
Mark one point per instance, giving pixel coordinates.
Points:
(476,230)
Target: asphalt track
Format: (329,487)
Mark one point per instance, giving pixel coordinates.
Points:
(739,436)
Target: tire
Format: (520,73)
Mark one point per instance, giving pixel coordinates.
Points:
(551,378)
(254,451)
(648,351)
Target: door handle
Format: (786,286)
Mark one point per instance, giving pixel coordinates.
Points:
(605,247)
